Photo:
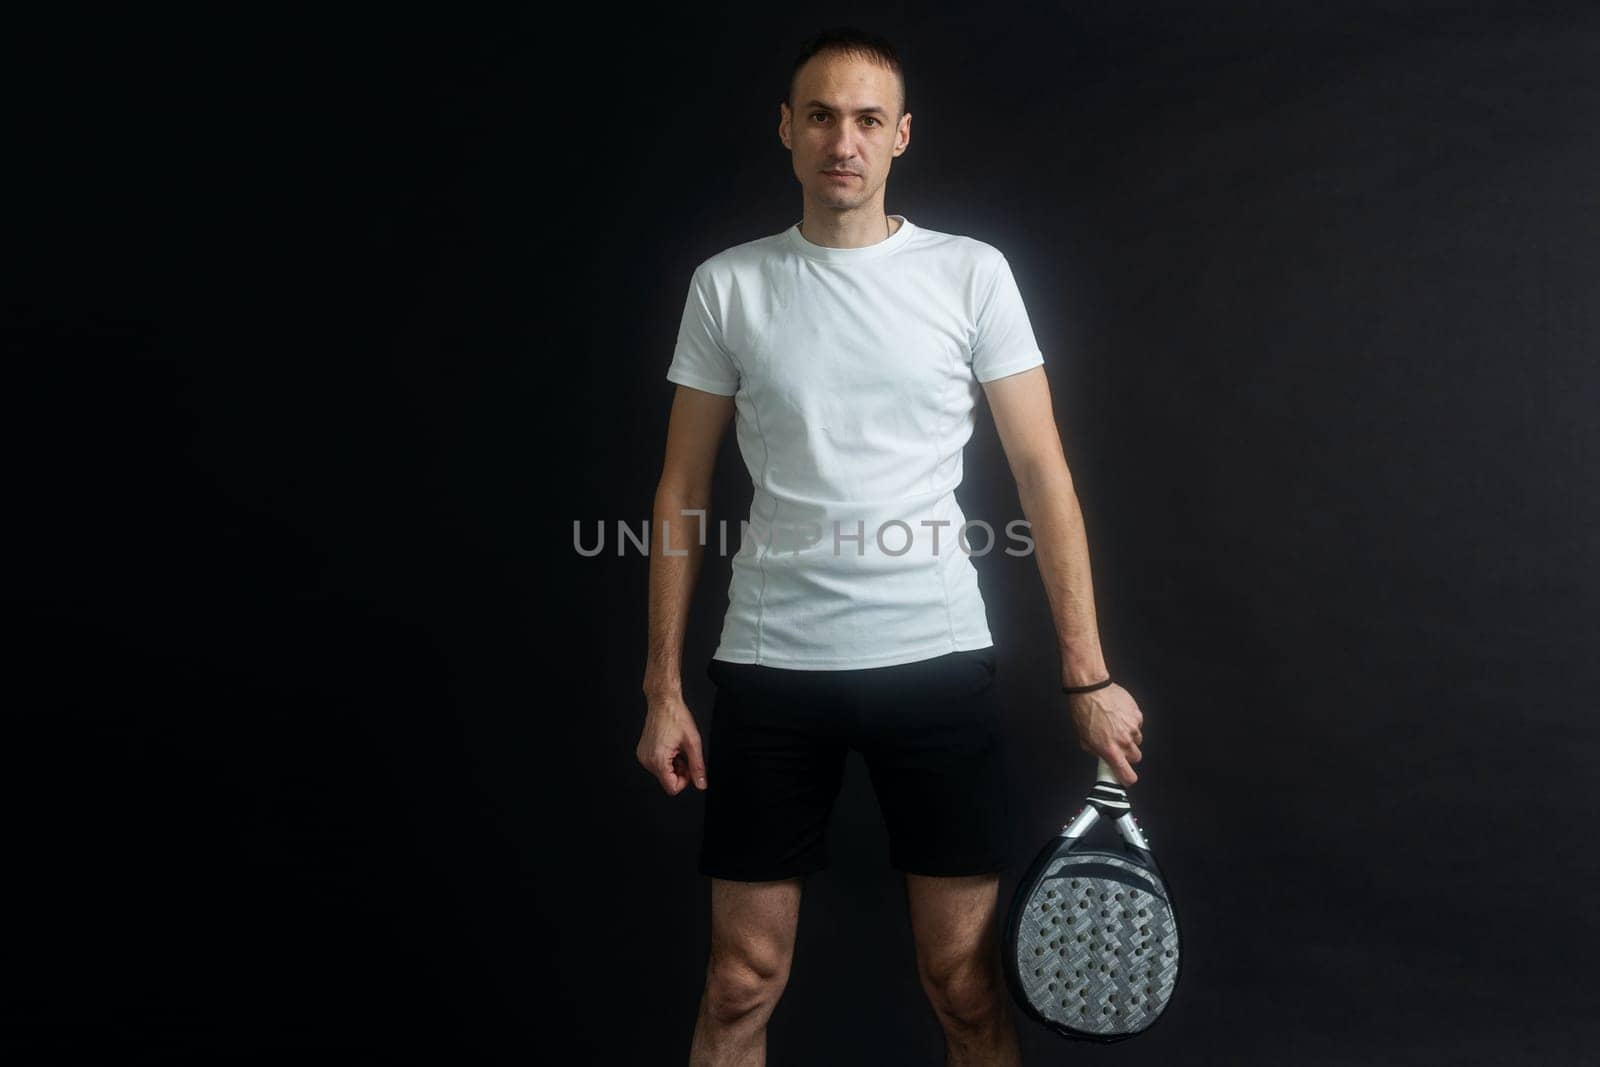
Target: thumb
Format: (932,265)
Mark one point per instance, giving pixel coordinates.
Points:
(697,762)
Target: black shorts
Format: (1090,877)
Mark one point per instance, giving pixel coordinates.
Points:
(929,733)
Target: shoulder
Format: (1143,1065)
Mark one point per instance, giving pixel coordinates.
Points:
(736,260)
(957,246)
(964,260)
(969,265)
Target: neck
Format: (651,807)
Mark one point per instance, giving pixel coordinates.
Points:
(848,229)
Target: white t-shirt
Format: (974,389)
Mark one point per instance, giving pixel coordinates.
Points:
(855,374)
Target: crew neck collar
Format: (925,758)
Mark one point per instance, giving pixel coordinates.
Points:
(805,247)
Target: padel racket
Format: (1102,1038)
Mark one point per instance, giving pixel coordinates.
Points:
(1091,943)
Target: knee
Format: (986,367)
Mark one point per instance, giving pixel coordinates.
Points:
(744,984)
(965,989)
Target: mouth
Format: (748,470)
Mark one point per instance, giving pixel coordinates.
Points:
(841,174)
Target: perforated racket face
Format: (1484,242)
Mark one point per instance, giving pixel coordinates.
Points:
(1095,944)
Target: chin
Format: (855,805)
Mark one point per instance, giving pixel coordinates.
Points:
(833,198)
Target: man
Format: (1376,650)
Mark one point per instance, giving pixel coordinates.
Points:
(852,348)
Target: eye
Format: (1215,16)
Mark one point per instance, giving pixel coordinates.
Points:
(814,114)
(874,121)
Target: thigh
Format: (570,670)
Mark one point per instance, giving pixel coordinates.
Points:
(775,760)
(932,741)
(953,920)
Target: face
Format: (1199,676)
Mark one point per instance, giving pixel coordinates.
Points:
(842,133)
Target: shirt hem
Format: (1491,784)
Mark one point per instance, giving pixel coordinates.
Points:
(886,660)
(1015,366)
(697,382)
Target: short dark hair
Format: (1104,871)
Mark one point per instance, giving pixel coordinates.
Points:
(849,40)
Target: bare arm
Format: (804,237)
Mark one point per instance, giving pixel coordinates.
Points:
(1108,720)
(670,745)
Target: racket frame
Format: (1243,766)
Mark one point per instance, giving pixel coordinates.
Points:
(1107,799)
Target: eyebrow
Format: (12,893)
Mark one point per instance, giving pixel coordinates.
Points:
(859,111)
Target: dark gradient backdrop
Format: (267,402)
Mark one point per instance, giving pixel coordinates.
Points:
(325,327)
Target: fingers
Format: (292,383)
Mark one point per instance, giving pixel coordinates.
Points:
(666,767)
(675,769)
(674,780)
(673,754)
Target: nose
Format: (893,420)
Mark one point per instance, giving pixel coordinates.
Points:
(842,152)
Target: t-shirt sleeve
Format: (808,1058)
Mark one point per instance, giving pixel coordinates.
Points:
(701,359)
(1003,341)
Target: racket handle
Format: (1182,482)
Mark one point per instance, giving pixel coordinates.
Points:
(1104,773)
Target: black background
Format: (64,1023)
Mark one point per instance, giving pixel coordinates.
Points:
(328,326)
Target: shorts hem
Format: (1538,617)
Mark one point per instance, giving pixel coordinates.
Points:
(952,870)
(751,876)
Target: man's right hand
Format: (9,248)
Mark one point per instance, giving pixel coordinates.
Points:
(669,748)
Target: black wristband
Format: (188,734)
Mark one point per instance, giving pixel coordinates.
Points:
(1085,688)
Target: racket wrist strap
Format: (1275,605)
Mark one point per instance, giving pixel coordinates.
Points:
(1086,688)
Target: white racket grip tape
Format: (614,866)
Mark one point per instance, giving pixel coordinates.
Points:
(1104,773)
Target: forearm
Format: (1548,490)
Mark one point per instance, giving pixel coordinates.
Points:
(1061,548)
(672,581)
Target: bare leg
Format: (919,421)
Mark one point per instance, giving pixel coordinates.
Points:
(752,945)
(958,960)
